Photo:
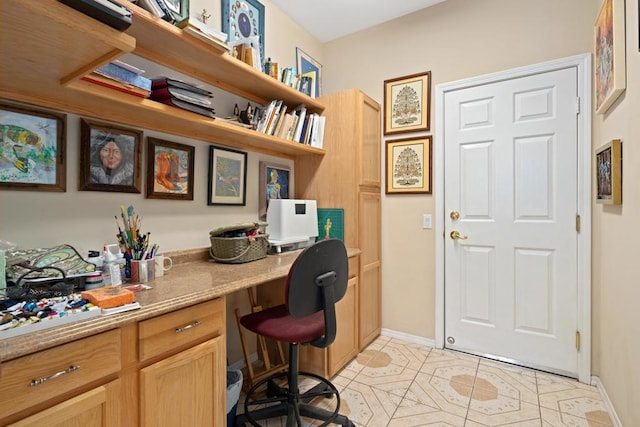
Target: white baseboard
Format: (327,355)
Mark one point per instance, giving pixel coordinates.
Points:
(414,339)
(607,402)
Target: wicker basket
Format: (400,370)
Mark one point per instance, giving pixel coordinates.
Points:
(236,250)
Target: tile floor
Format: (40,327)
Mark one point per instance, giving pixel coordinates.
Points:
(395,383)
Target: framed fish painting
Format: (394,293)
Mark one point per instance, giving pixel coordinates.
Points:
(32,149)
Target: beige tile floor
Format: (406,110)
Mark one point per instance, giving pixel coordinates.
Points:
(395,383)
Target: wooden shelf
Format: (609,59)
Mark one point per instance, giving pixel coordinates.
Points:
(47,46)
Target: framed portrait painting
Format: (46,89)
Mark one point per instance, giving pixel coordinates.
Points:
(243,19)
(32,149)
(275,183)
(110,157)
(227,176)
(170,168)
(407,104)
(609,47)
(308,67)
(408,166)
(609,173)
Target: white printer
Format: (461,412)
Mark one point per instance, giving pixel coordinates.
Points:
(292,223)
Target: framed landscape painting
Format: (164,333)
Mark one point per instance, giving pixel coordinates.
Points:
(227,176)
(32,149)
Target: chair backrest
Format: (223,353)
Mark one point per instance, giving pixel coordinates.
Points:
(317,280)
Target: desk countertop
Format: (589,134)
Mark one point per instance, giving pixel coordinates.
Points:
(192,280)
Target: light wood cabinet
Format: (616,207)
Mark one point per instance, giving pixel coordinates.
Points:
(62,45)
(187,389)
(348,177)
(55,376)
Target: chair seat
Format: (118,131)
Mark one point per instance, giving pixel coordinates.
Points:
(278,324)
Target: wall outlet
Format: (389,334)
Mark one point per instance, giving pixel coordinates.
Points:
(426,221)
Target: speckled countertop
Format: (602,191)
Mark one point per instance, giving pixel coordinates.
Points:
(193,279)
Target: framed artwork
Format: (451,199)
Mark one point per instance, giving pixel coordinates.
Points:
(408,166)
(179,9)
(609,173)
(407,104)
(609,48)
(309,67)
(243,19)
(227,176)
(275,183)
(169,170)
(330,224)
(32,149)
(110,157)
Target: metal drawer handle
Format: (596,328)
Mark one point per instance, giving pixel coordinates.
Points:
(184,328)
(71,369)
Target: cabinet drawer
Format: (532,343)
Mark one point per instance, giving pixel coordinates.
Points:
(164,333)
(32,379)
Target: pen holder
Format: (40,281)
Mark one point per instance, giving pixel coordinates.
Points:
(143,270)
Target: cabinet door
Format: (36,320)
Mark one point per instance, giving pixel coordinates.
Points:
(370,267)
(345,347)
(370,143)
(91,409)
(187,389)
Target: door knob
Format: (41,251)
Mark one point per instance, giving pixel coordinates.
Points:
(455,235)
(454,215)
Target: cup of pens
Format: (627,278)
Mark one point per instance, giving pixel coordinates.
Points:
(136,246)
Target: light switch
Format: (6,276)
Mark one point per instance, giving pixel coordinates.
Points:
(426,221)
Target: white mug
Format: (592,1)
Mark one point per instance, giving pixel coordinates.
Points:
(163,263)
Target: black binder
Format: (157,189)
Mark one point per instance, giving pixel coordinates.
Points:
(106,11)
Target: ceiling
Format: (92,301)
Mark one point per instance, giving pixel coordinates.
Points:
(330,19)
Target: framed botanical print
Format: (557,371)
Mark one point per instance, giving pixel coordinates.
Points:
(109,157)
(275,182)
(243,19)
(32,149)
(407,104)
(170,167)
(609,173)
(408,166)
(609,47)
(227,176)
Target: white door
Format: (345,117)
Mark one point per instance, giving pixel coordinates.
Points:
(510,160)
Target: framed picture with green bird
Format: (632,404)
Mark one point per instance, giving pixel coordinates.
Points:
(32,149)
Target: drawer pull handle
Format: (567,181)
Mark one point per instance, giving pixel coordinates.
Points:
(71,369)
(184,328)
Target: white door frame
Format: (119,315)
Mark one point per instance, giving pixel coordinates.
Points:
(583,65)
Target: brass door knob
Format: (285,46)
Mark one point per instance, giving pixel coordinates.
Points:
(454,215)
(455,235)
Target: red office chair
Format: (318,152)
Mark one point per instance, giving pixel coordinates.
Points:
(316,281)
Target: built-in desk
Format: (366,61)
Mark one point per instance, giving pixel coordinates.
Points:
(117,369)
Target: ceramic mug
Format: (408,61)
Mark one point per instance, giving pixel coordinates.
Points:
(162,264)
(142,271)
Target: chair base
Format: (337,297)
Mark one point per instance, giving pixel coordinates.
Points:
(272,398)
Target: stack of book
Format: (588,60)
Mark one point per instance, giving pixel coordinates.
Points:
(122,77)
(159,8)
(186,96)
(200,30)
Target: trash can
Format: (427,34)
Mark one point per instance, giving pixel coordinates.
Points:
(234,386)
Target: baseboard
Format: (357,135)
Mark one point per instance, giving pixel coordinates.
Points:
(607,402)
(239,364)
(414,339)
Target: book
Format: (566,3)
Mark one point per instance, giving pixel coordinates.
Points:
(167,15)
(107,11)
(174,102)
(318,132)
(266,115)
(115,84)
(124,75)
(160,82)
(181,94)
(301,111)
(277,110)
(206,37)
(286,126)
(311,77)
(204,28)
(281,116)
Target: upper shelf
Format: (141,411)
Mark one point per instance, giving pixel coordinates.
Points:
(47,46)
